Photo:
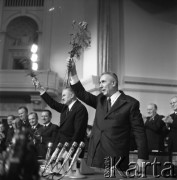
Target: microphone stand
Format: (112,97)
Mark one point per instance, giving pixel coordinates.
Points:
(58,158)
(47,156)
(69,154)
(53,157)
(74,160)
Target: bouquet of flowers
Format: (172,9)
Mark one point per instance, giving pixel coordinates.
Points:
(80,39)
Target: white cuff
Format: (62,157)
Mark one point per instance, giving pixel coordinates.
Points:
(74,79)
(42,92)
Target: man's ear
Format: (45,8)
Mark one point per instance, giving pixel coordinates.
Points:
(72,95)
(114,83)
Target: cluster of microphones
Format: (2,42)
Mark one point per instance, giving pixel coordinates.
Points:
(61,157)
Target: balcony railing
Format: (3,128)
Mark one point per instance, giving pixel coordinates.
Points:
(18,81)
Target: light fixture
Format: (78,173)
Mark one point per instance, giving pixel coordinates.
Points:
(34,57)
(34,66)
(34,48)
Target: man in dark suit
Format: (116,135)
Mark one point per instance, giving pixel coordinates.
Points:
(73,119)
(171,123)
(116,115)
(35,128)
(155,128)
(23,115)
(47,133)
(10,132)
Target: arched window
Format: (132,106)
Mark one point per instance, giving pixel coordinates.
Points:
(21,33)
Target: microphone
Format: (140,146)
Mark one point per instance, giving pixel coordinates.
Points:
(47,157)
(48,151)
(76,155)
(68,155)
(54,155)
(60,154)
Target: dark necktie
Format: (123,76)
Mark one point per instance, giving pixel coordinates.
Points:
(108,104)
(67,111)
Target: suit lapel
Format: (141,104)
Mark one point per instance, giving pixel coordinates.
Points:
(46,128)
(65,117)
(118,104)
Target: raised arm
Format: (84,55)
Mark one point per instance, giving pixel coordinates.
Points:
(77,87)
(45,96)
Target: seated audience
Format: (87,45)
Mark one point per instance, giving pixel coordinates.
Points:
(155,128)
(171,123)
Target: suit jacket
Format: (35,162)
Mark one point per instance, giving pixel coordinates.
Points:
(173,134)
(10,134)
(155,131)
(26,124)
(73,124)
(34,133)
(111,130)
(48,134)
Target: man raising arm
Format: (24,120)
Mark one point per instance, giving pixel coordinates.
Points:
(113,122)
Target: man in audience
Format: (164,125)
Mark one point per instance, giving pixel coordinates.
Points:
(116,114)
(2,138)
(155,128)
(171,123)
(73,119)
(35,128)
(10,118)
(10,132)
(47,133)
(23,115)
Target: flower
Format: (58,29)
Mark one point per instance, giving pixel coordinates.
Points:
(80,39)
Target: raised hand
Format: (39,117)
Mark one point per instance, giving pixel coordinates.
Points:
(71,66)
(37,85)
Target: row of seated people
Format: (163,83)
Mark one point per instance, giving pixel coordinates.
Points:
(161,131)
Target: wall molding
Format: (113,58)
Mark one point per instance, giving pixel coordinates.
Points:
(144,84)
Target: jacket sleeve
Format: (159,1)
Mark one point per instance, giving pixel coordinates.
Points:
(83,95)
(80,125)
(155,125)
(138,130)
(52,103)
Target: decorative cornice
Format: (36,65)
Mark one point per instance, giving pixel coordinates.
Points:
(143,84)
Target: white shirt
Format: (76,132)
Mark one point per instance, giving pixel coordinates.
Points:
(71,105)
(114,97)
(46,124)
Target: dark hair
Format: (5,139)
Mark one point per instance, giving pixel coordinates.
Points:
(13,117)
(69,88)
(48,111)
(23,107)
(113,75)
(34,114)
(155,106)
